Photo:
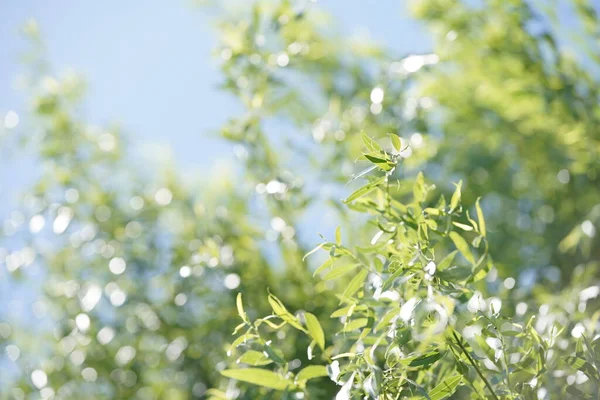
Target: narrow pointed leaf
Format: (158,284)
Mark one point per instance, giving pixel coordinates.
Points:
(456,197)
(311,372)
(356,283)
(369,143)
(258,376)
(337,272)
(445,388)
(396,142)
(462,246)
(480,218)
(364,190)
(338,235)
(315,329)
(240,308)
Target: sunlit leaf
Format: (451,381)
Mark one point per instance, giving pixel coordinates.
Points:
(447,261)
(314,329)
(338,235)
(254,358)
(326,264)
(369,143)
(260,377)
(455,200)
(365,190)
(240,308)
(280,310)
(445,388)
(395,141)
(311,372)
(356,283)
(480,218)
(339,271)
(462,246)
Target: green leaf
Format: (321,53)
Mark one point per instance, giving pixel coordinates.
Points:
(445,388)
(347,311)
(462,246)
(392,278)
(447,261)
(324,266)
(337,272)
(355,324)
(464,227)
(280,310)
(480,218)
(364,190)
(369,143)
(338,235)
(424,360)
(214,394)
(385,320)
(313,251)
(419,188)
(240,308)
(311,372)
(582,365)
(356,283)
(472,221)
(456,197)
(254,358)
(274,354)
(578,393)
(241,339)
(396,142)
(315,329)
(455,274)
(260,377)
(375,159)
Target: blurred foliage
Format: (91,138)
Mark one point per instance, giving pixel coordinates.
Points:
(141,271)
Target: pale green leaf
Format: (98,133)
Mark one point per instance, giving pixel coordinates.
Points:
(419,188)
(355,324)
(280,310)
(356,283)
(445,388)
(364,190)
(456,197)
(464,227)
(324,266)
(369,143)
(313,251)
(447,261)
(311,372)
(396,142)
(240,308)
(338,235)
(339,271)
(315,330)
(260,377)
(480,218)
(254,358)
(462,246)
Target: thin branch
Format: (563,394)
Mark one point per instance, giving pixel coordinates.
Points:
(466,353)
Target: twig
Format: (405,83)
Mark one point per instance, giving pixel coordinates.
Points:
(487,383)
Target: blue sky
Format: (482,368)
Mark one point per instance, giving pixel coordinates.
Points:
(149,67)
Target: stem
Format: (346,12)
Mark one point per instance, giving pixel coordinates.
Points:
(507,373)
(466,353)
(388,198)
